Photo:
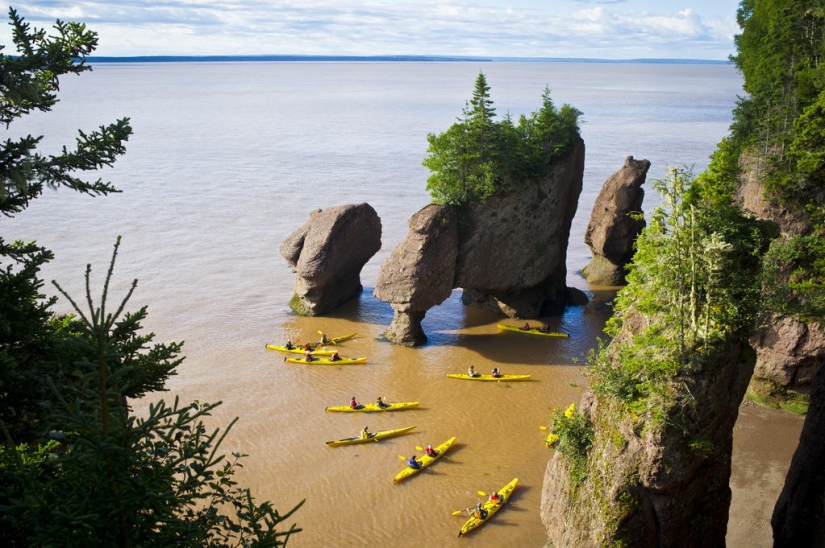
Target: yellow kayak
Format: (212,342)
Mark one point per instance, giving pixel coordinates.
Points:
(372,407)
(488,377)
(425,461)
(375,436)
(531,331)
(300,350)
(327,361)
(490,508)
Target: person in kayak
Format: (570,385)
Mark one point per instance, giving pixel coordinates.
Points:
(413,463)
(380,403)
(324,339)
(289,345)
(365,433)
(495,497)
(480,512)
(431,452)
(526,326)
(496,373)
(307,356)
(335,357)
(354,404)
(472,372)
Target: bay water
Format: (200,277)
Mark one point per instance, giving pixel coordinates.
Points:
(227,159)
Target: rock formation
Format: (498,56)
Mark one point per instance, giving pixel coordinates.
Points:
(611,231)
(799,516)
(651,482)
(327,254)
(508,254)
(419,273)
(789,353)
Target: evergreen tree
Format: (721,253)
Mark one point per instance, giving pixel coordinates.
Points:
(76,468)
(477,158)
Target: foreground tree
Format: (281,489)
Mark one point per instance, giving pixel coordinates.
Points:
(76,468)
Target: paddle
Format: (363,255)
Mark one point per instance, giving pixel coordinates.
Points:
(457,512)
(419,447)
(482,493)
(542,428)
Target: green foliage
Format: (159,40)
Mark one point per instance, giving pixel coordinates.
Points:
(76,468)
(793,278)
(571,435)
(780,123)
(692,289)
(477,158)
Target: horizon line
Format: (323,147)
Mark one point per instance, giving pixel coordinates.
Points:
(395,58)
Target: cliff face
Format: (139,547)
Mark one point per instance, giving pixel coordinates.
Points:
(652,481)
(799,516)
(327,254)
(611,231)
(508,254)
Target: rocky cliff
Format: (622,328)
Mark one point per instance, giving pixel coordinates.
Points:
(612,228)
(654,477)
(507,254)
(327,254)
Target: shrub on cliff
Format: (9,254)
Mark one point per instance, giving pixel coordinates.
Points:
(477,158)
(693,283)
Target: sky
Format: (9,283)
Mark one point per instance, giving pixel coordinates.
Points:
(603,29)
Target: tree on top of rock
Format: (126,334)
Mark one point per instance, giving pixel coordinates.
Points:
(477,158)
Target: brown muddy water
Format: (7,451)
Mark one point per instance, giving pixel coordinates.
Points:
(350,497)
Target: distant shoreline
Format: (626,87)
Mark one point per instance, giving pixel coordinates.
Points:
(387,58)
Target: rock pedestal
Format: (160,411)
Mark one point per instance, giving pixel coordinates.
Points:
(611,231)
(327,254)
(508,254)
(419,273)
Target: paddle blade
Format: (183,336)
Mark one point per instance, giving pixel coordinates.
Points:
(542,428)
(419,447)
(482,493)
(402,458)
(457,512)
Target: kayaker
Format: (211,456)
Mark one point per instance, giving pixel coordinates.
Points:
(496,373)
(380,403)
(335,357)
(354,404)
(288,345)
(324,339)
(526,327)
(413,463)
(495,497)
(545,329)
(307,347)
(430,451)
(365,433)
(472,372)
(480,512)
(307,356)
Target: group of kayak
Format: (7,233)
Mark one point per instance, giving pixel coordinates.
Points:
(319,353)
(316,353)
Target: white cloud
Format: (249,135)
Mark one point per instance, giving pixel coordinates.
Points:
(612,29)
